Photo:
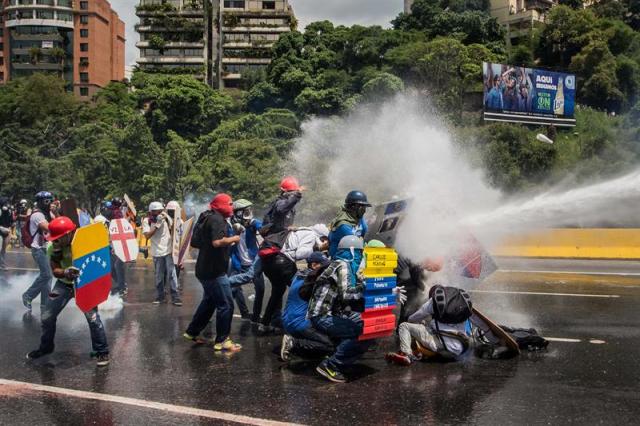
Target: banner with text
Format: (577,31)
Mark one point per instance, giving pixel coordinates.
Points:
(528,95)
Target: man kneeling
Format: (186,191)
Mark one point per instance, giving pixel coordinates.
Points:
(440,328)
(301,338)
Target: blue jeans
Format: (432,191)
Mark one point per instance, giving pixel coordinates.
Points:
(42,282)
(217,297)
(165,269)
(344,330)
(58,299)
(118,280)
(258,283)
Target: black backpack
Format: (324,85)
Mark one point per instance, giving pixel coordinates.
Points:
(450,305)
(199,238)
(527,339)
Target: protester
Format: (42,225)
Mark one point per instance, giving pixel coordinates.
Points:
(22,215)
(329,308)
(157,228)
(281,213)
(118,267)
(61,231)
(211,237)
(6,223)
(173,209)
(38,225)
(350,220)
(448,332)
(243,255)
(300,336)
(281,267)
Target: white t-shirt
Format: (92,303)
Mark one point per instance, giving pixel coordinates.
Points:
(161,240)
(38,236)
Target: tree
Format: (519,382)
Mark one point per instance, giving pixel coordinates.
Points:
(382,86)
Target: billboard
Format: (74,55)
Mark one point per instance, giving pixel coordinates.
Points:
(528,95)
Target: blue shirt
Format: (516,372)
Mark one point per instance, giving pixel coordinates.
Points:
(494,99)
(342,231)
(294,316)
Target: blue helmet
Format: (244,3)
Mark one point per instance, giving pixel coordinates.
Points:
(44,195)
(357,198)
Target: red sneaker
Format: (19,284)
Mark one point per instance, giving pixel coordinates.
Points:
(399,358)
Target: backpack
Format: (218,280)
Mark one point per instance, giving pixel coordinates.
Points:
(25,232)
(199,239)
(527,338)
(451,305)
(273,244)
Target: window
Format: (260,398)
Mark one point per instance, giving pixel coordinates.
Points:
(84,77)
(84,61)
(269,5)
(234,4)
(84,33)
(84,5)
(84,91)
(84,19)
(84,47)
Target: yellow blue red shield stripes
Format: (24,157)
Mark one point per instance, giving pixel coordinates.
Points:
(92,256)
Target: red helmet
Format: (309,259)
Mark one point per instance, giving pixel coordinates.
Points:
(59,227)
(289,184)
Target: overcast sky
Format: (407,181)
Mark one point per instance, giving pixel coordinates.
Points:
(347,12)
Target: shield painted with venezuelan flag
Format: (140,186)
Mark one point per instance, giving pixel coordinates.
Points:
(92,256)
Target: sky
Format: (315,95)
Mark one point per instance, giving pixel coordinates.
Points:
(346,12)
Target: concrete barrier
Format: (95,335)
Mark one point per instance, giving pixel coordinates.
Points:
(573,243)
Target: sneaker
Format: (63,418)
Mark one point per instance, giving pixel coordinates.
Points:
(334,375)
(227,345)
(37,354)
(124,292)
(102,360)
(246,317)
(399,358)
(265,328)
(177,302)
(285,349)
(159,301)
(26,302)
(195,339)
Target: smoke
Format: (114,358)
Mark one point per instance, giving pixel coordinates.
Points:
(12,288)
(395,150)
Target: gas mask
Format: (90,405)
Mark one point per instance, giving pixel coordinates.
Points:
(243,217)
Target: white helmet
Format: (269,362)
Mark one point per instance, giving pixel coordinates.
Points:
(321,230)
(156,205)
(173,205)
(351,242)
(100,219)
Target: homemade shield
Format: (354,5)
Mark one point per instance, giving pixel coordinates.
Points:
(123,240)
(91,255)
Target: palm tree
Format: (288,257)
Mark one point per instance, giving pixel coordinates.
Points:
(36,55)
(59,55)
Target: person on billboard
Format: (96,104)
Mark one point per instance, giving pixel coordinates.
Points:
(494,97)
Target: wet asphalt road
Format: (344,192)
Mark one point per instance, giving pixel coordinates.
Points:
(574,381)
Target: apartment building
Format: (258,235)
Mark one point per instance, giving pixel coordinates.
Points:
(520,17)
(81,40)
(407,5)
(215,40)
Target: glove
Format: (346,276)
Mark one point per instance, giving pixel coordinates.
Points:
(71,273)
(238,228)
(401,294)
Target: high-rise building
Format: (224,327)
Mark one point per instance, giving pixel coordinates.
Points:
(216,40)
(80,40)
(520,17)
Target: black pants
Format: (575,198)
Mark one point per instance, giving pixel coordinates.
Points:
(311,342)
(280,270)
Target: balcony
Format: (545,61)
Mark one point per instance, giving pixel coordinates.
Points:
(248,44)
(49,66)
(173,44)
(256,29)
(36,37)
(166,60)
(247,61)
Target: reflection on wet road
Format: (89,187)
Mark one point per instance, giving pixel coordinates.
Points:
(588,375)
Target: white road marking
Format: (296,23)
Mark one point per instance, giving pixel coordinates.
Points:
(178,409)
(597,342)
(23,269)
(562,339)
(622,274)
(535,293)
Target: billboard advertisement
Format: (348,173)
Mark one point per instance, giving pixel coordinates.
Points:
(528,95)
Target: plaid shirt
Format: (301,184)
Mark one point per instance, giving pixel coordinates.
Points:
(332,291)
